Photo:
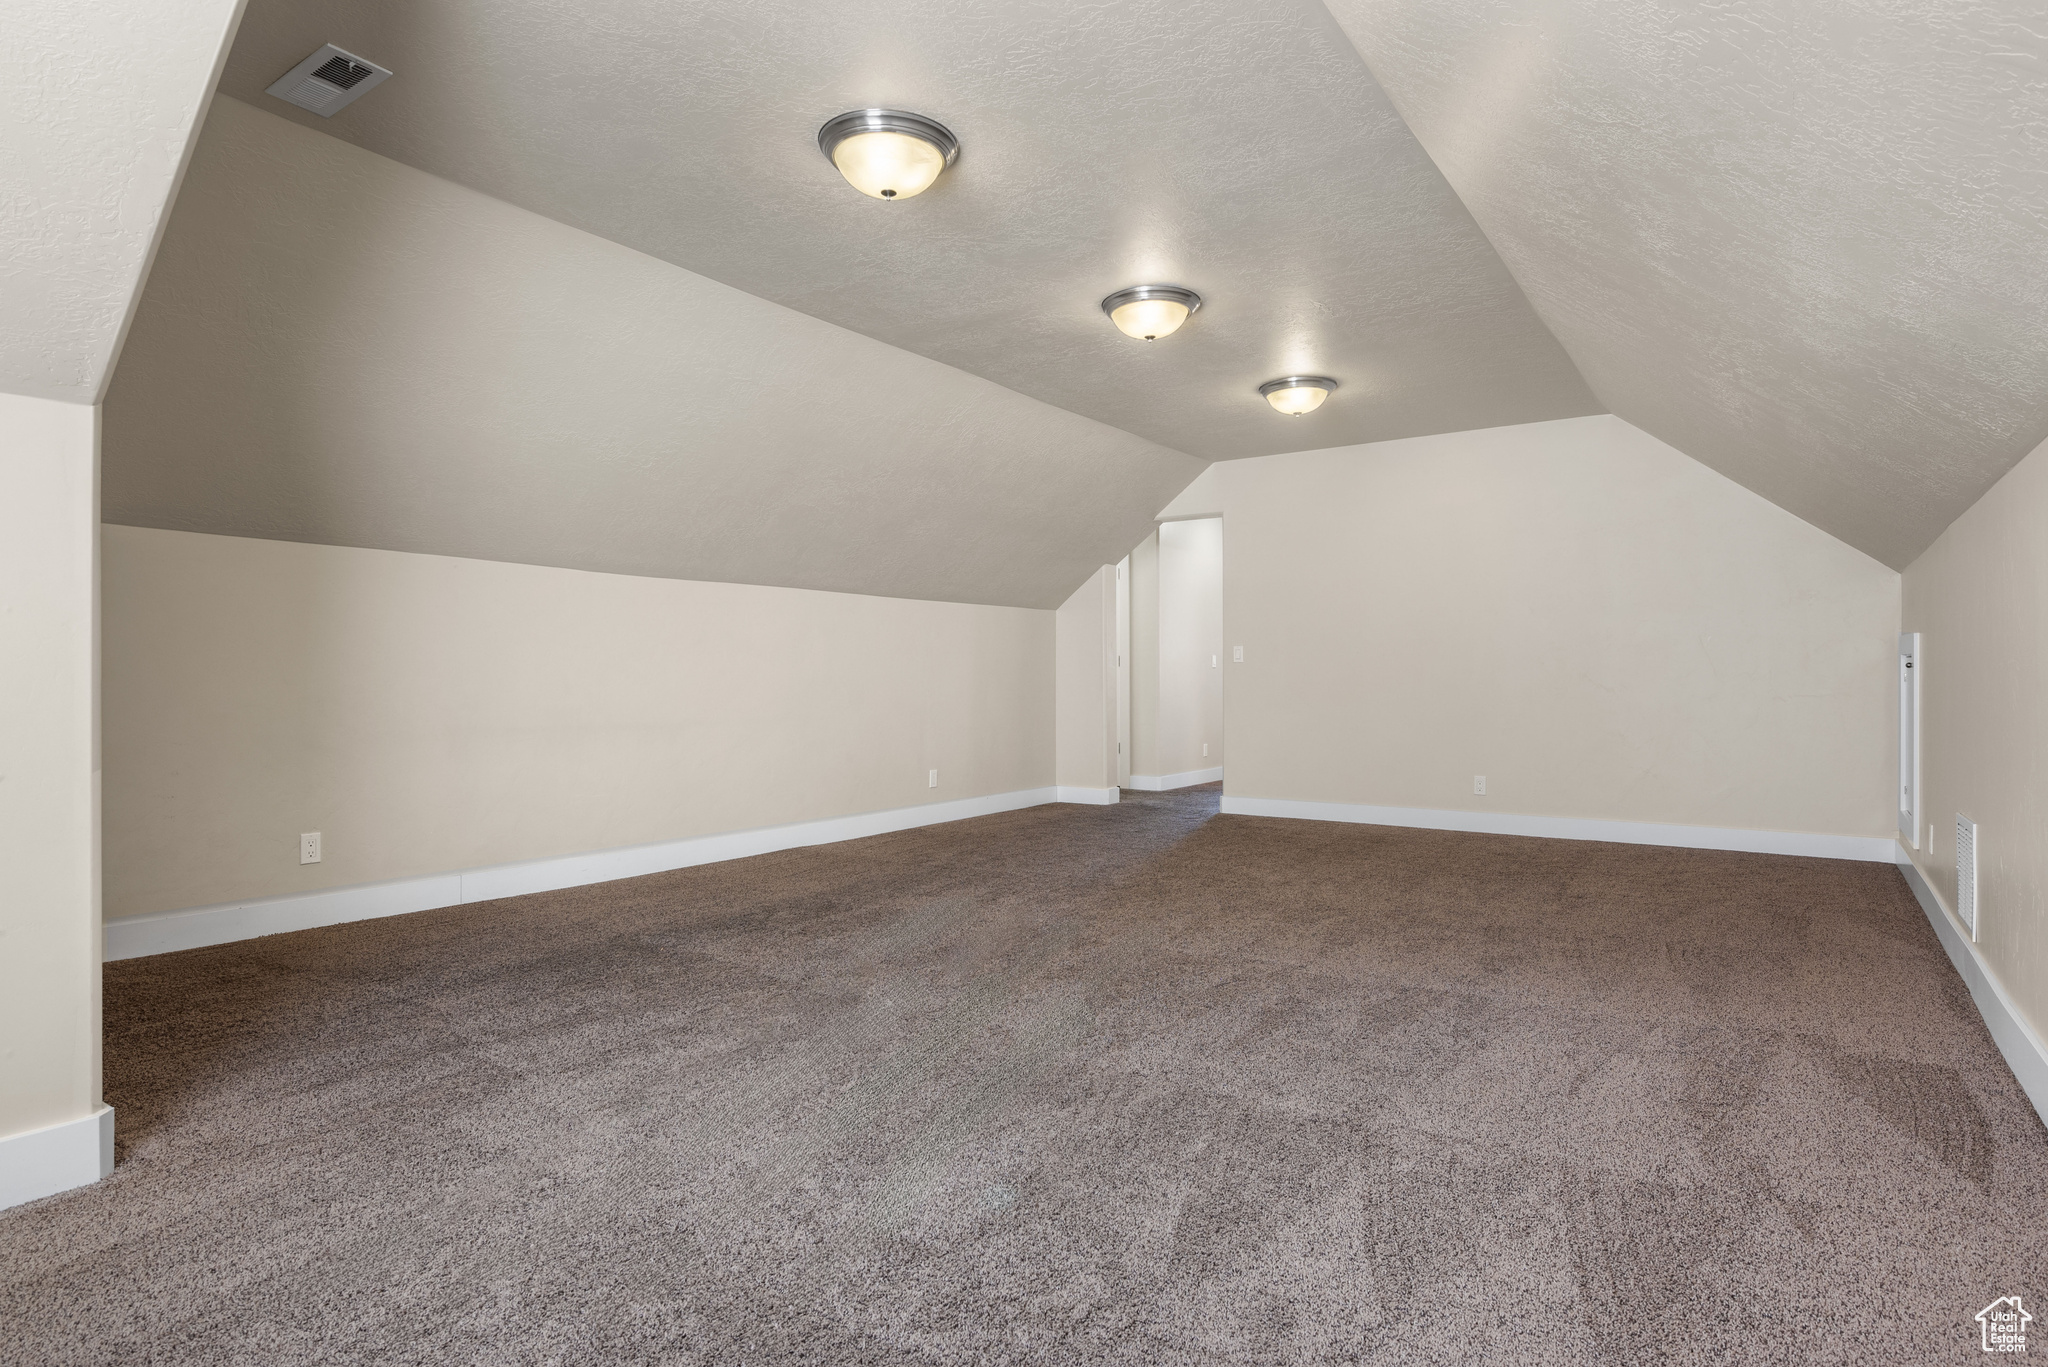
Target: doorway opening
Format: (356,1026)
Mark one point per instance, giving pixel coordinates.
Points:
(1177,657)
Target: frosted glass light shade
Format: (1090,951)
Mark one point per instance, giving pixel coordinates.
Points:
(1295,402)
(888,165)
(1149,312)
(888,154)
(1298,394)
(1149,319)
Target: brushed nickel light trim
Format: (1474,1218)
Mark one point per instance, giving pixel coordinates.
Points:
(1297,395)
(895,123)
(1151,324)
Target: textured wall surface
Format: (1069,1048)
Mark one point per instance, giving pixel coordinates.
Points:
(1600,625)
(429,714)
(1803,243)
(337,348)
(1979,599)
(1236,146)
(96,116)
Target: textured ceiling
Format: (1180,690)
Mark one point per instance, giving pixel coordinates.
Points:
(97,112)
(1804,243)
(337,348)
(1236,146)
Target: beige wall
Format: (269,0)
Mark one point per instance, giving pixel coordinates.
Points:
(1189,628)
(49,768)
(1600,625)
(1087,685)
(430,714)
(1144,561)
(1123,671)
(1979,599)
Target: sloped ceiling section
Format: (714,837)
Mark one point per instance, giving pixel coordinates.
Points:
(1239,147)
(337,348)
(1806,244)
(97,114)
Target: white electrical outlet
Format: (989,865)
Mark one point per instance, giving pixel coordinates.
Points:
(1213,662)
(1205,749)
(1237,655)
(1479,785)
(309,847)
(933,780)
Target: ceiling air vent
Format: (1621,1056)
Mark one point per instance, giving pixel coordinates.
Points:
(327,80)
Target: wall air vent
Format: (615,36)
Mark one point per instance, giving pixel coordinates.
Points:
(1966,873)
(327,80)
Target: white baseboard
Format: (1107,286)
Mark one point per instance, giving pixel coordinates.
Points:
(2025,1052)
(1867,848)
(161,932)
(1094,797)
(72,1153)
(1160,783)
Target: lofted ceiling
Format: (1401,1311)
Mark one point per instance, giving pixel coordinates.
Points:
(1805,243)
(336,348)
(1239,147)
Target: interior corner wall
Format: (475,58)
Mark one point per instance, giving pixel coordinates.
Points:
(49,771)
(1086,707)
(1123,672)
(1188,626)
(1601,626)
(430,714)
(97,114)
(1979,599)
(1145,655)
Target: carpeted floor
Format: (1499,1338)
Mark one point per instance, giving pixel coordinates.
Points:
(1136,1084)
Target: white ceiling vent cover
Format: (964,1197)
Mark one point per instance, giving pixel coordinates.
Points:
(1966,873)
(327,80)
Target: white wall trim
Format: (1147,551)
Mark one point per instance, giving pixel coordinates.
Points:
(1094,797)
(2025,1052)
(161,932)
(1160,783)
(71,1153)
(1867,848)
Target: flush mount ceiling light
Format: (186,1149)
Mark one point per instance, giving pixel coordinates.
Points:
(1298,394)
(1149,312)
(887,153)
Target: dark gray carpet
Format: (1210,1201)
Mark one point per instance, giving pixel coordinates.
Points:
(1127,1085)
